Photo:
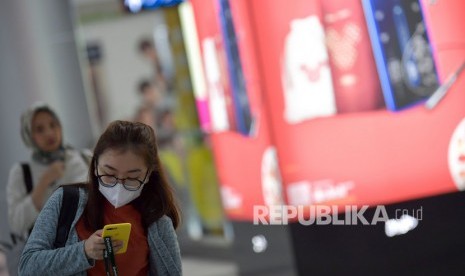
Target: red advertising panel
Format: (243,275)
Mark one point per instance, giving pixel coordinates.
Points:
(443,20)
(244,160)
(353,68)
(315,101)
(371,157)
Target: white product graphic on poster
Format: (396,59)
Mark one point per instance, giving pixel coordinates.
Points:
(232,200)
(343,48)
(305,75)
(456,155)
(216,93)
(318,191)
(299,193)
(271,178)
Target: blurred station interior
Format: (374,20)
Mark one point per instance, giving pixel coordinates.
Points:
(351,106)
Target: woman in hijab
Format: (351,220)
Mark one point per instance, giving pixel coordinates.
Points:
(51,165)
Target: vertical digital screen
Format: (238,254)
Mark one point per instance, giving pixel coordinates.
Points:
(135,6)
(402,52)
(239,94)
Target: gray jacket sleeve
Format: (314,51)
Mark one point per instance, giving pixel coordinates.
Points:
(167,256)
(39,256)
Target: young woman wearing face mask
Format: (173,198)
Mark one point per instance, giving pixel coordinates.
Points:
(51,165)
(127,184)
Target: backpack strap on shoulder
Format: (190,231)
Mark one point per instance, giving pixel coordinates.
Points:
(69,205)
(27,177)
(28,184)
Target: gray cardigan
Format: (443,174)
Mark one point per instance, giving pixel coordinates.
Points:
(40,258)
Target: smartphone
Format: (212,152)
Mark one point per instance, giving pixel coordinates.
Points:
(118,231)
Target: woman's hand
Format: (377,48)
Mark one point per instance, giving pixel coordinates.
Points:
(54,172)
(94,246)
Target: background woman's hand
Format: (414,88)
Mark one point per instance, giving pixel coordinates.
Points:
(55,171)
(94,246)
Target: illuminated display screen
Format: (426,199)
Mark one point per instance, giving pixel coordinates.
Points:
(135,6)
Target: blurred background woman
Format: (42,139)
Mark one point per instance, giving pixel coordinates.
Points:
(51,164)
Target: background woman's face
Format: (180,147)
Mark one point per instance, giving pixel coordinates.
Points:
(46,132)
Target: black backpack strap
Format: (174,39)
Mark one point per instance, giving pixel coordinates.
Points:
(27,177)
(28,184)
(68,210)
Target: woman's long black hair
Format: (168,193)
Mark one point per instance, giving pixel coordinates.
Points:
(156,198)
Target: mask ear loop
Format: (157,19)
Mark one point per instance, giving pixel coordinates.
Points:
(147,179)
(96,168)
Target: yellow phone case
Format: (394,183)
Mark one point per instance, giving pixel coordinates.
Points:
(118,231)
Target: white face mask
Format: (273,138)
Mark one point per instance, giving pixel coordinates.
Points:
(117,195)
